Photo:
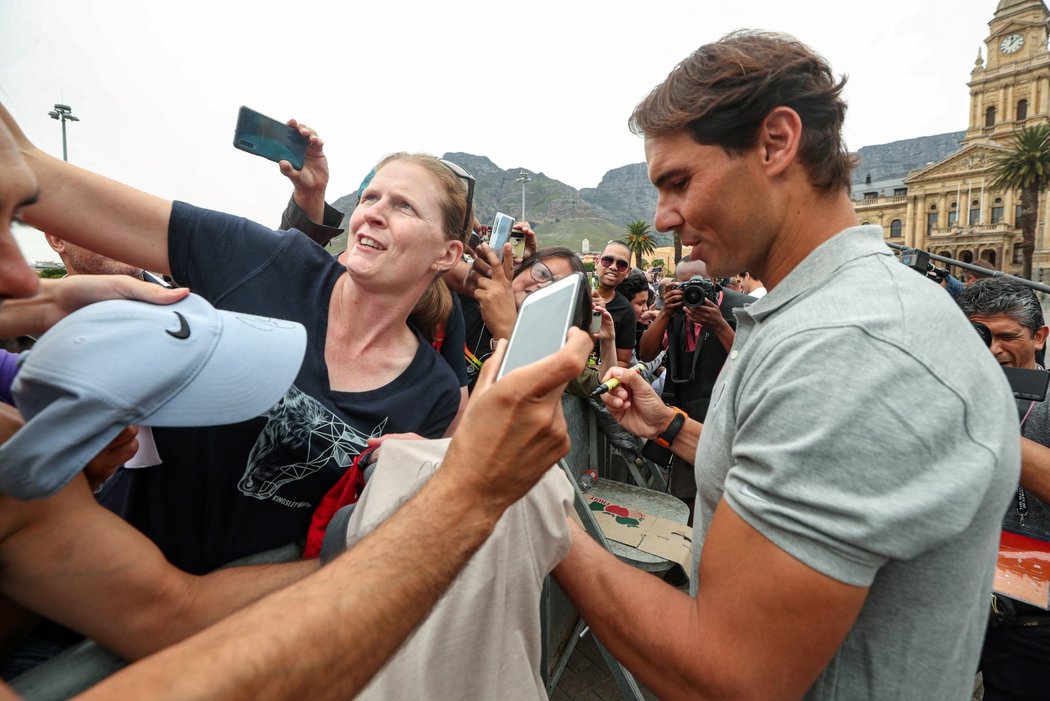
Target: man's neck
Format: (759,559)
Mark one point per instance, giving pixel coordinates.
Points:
(606,293)
(812,220)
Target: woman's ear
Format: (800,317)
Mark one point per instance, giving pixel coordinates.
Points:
(453,252)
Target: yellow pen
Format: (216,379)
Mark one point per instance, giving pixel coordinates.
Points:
(614,382)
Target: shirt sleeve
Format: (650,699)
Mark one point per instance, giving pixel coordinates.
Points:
(8,370)
(294,217)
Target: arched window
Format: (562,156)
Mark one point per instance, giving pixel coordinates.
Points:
(895,228)
(1022,110)
(966,257)
(989,117)
(989,256)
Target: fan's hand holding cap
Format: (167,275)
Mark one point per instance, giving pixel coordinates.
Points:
(124,362)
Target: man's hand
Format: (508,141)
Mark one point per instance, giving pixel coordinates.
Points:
(311,182)
(608,330)
(59,298)
(636,405)
(672,300)
(494,294)
(119,451)
(514,430)
(707,315)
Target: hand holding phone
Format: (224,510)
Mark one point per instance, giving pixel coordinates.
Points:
(544,321)
(266,137)
(501,227)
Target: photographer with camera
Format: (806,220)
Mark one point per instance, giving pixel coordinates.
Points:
(697,327)
(1015,660)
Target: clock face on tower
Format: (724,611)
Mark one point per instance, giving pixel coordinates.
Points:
(1011,44)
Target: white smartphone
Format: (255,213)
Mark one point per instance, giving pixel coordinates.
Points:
(501,227)
(544,321)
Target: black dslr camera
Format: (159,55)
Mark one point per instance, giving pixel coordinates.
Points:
(696,289)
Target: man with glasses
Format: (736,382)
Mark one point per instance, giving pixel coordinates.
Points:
(611,268)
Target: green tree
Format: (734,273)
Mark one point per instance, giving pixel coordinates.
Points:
(639,240)
(52,273)
(1026,167)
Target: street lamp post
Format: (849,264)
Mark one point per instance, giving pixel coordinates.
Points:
(524,179)
(63,113)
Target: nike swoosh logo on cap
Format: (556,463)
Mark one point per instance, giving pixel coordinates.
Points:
(184,328)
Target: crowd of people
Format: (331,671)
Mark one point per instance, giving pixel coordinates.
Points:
(847,445)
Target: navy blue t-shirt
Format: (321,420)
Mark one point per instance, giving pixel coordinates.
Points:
(228,491)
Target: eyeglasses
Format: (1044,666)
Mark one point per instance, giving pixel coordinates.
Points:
(460,173)
(541,273)
(621,264)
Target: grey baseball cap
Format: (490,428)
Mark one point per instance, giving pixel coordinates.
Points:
(123,362)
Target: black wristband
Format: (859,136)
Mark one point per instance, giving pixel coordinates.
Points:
(667,436)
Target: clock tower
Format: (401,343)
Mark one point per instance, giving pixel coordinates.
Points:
(1011,88)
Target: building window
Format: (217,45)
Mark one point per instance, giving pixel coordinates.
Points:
(895,228)
(989,117)
(989,257)
(900,191)
(1022,110)
(975,212)
(997,214)
(1018,253)
(966,257)
(1017,216)
(953,218)
(871,195)
(931,222)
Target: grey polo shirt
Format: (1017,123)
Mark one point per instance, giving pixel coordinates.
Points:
(861,426)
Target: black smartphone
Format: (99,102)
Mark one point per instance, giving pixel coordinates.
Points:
(258,134)
(1028,384)
(544,321)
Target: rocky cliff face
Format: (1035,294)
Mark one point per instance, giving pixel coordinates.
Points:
(625,193)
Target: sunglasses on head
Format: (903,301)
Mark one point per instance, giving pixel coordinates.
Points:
(621,264)
(460,173)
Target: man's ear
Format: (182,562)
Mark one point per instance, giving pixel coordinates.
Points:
(56,243)
(779,137)
(1040,337)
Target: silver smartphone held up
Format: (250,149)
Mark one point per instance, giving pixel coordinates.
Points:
(501,227)
(544,321)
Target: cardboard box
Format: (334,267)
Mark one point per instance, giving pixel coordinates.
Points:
(651,534)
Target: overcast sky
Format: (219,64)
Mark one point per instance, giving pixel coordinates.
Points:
(541,85)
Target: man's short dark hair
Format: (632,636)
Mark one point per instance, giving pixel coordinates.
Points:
(998,295)
(634,283)
(723,91)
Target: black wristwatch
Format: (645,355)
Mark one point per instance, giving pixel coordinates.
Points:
(667,436)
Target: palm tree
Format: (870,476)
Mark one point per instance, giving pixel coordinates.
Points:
(639,240)
(1026,167)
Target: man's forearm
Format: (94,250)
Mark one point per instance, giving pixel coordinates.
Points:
(328,635)
(652,340)
(639,618)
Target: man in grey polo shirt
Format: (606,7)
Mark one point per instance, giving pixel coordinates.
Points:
(859,449)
